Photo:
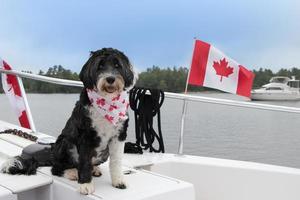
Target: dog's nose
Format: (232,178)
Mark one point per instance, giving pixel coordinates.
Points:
(110,79)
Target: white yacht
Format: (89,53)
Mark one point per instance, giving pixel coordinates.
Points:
(156,176)
(279,88)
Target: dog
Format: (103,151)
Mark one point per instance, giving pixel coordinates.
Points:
(98,124)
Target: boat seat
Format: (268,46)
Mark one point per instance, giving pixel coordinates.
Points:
(142,184)
(6,194)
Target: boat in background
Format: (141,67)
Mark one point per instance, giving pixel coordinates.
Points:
(280,88)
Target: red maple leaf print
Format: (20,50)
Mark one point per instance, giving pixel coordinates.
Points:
(12,81)
(109,118)
(121,114)
(101,102)
(222,68)
(111,107)
(116,98)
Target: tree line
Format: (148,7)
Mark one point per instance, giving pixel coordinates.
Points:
(174,79)
(57,71)
(166,79)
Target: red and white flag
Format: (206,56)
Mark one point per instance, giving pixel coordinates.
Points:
(12,90)
(212,68)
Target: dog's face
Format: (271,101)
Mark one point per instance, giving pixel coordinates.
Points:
(108,71)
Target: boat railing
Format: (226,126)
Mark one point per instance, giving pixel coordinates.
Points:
(184,97)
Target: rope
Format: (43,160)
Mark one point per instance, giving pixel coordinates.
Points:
(145,107)
(20,134)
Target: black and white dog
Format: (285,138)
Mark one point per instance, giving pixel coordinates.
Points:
(97,127)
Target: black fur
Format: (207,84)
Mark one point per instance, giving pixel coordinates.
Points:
(78,130)
(101,59)
(29,166)
(123,132)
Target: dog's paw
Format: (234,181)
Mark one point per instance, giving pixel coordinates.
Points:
(96,171)
(71,174)
(86,188)
(120,184)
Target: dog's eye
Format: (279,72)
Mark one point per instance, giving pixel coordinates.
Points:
(117,65)
(100,67)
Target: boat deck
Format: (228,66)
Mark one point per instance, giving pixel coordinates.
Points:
(156,176)
(142,184)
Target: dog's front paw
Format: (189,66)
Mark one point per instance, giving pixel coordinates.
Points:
(120,184)
(86,188)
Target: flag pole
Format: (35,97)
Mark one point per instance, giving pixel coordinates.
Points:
(187,81)
(181,137)
(189,71)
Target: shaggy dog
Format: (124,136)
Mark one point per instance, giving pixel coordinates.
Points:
(97,127)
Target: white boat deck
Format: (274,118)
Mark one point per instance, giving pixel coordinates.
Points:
(157,176)
(142,184)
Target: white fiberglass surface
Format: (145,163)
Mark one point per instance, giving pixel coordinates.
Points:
(221,182)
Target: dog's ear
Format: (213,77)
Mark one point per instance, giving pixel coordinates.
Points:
(85,75)
(129,74)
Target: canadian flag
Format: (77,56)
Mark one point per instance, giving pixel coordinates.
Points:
(212,68)
(12,90)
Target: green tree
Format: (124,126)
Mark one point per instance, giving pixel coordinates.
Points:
(168,79)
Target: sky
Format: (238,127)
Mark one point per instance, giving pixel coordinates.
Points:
(37,34)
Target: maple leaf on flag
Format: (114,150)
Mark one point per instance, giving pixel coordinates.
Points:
(222,68)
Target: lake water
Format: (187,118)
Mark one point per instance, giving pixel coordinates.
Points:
(211,130)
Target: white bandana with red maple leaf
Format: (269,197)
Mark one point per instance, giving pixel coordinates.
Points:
(112,109)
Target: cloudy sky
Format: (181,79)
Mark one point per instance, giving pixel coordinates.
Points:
(257,33)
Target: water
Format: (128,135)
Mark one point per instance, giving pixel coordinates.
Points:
(211,130)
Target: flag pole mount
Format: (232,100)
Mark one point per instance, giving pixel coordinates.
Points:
(183,114)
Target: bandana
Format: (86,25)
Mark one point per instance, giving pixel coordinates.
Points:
(112,109)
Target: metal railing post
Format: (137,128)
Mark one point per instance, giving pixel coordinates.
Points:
(181,138)
(28,111)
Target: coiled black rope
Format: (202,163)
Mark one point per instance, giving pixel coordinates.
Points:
(146,105)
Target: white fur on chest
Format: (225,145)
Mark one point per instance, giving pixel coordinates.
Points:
(105,129)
